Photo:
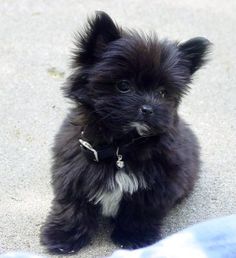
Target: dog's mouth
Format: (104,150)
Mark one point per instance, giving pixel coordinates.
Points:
(142,128)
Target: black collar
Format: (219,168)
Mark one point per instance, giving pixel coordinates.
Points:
(98,154)
(115,150)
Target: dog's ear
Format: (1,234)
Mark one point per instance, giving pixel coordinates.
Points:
(99,32)
(194,52)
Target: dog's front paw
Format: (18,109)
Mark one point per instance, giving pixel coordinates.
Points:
(133,240)
(60,242)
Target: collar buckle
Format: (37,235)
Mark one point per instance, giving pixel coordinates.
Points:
(88,146)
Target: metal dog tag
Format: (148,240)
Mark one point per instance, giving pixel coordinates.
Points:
(120,163)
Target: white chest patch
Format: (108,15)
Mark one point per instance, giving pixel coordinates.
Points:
(123,183)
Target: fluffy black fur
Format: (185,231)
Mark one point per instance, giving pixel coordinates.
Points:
(121,77)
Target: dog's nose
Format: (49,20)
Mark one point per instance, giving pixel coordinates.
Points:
(146,110)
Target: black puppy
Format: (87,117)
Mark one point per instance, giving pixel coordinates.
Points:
(123,151)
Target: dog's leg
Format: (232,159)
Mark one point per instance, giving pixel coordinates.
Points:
(69,226)
(137,224)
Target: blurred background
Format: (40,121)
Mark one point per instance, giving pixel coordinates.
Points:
(35,45)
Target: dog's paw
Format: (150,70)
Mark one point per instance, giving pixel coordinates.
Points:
(133,240)
(68,247)
(59,242)
(62,248)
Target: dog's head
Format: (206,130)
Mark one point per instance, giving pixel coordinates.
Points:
(131,81)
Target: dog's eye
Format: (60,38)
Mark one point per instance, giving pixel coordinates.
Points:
(83,78)
(162,93)
(123,86)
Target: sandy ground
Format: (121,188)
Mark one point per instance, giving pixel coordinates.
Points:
(35,44)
